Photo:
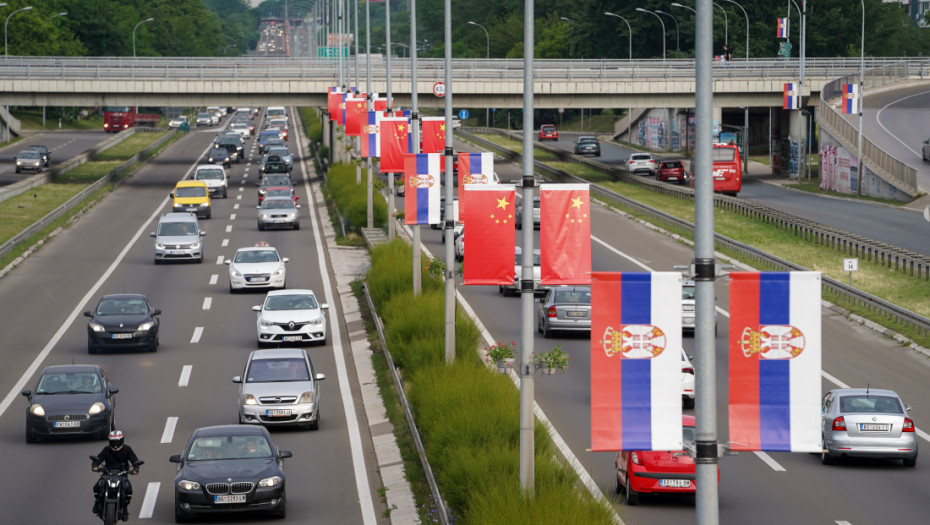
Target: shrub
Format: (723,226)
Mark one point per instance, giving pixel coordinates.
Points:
(352,198)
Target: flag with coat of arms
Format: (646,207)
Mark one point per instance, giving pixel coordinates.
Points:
(792,96)
(781,30)
(564,234)
(371,135)
(421,197)
(850,98)
(489,244)
(474,168)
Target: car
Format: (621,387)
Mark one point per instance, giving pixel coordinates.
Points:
(177,238)
(564,309)
(283,154)
(191,196)
(869,423)
(205,119)
(290,316)
(219,156)
(43,151)
(641,163)
(272,180)
(241,128)
(587,145)
(925,150)
(457,230)
(29,160)
(672,171)
(687,381)
(122,321)
(519,213)
(258,266)
(272,142)
(276,112)
(274,164)
(265,136)
(245,112)
(70,400)
(456,122)
(246,121)
(282,191)
(687,308)
(278,212)
(233,143)
(506,290)
(460,247)
(279,387)
(176,122)
(230,469)
(279,123)
(215,178)
(548,132)
(442,212)
(218,111)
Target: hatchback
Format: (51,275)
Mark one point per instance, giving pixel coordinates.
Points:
(672,171)
(279,387)
(29,160)
(548,132)
(70,400)
(291,316)
(122,321)
(867,422)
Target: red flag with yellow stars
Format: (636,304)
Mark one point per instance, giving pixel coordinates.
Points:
(394,144)
(356,112)
(434,134)
(489,238)
(564,234)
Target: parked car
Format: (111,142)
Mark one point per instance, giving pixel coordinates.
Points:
(43,151)
(519,213)
(279,387)
(257,266)
(587,145)
(460,247)
(278,212)
(291,316)
(70,400)
(641,163)
(564,309)
(124,320)
(215,179)
(867,422)
(548,132)
(29,160)
(177,237)
(672,171)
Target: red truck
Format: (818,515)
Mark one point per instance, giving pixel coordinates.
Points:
(118,118)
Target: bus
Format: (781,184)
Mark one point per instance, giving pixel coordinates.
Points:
(728,169)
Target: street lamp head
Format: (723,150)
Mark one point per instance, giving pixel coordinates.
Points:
(640,9)
(566,19)
(676,4)
(150,19)
(472,23)
(608,13)
(60,14)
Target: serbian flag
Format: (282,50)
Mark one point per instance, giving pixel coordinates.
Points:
(394,144)
(340,115)
(792,96)
(474,168)
(635,361)
(491,235)
(564,233)
(421,200)
(850,97)
(332,102)
(371,135)
(355,114)
(775,361)
(782,28)
(434,134)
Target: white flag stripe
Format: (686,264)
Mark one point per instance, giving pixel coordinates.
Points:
(805,368)
(666,367)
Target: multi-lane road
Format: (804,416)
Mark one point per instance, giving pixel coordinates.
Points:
(61,146)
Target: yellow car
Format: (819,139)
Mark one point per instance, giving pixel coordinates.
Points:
(191,196)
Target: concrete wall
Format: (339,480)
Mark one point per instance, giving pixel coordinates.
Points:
(839,171)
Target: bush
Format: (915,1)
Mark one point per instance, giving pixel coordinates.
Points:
(352,198)
(313,126)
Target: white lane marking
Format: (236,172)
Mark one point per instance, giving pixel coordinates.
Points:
(769,461)
(219,260)
(922,434)
(225,242)
(207,302)
(236,206)
(228,228)
(198,331)
(239,197)
(833,380)
(839,522)
(348,403)
(232,216)
(151,496)
(214,278)
(878,118)
(621,254)
(168,433)
(185,375)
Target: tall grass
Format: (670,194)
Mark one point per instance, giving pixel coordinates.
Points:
(352,198)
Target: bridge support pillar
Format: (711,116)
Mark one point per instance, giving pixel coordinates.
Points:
(718,120)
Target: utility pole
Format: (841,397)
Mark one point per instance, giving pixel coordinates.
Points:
(415,130)
(449,211)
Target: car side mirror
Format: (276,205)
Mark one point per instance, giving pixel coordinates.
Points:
(156,311)
(176,458)
(907,408)
(284,454)
(320,377)
(27,393)
(228,262)
(113,390)
(256,308)
(325,306)
(88,314)
(258,207)
(690,357)
(237,379)
(297,206)
(151,234)
(202,233)
(285,259)
(171,194)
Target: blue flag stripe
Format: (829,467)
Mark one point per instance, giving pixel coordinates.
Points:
(636,412)
(636,298)
(774,374)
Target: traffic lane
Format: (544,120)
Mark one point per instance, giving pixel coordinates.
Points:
(897,121)
(62,146)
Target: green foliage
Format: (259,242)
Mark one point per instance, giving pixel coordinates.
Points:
(313,126)
(352,198)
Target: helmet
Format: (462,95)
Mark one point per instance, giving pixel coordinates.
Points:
(116,439)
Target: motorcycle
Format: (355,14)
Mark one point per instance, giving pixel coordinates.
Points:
(111,494)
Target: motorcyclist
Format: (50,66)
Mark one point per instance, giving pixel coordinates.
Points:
(116,456)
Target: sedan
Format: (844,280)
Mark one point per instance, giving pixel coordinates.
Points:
(219,156)
(672,171)
(70,400)
(588,145)
(257,267)
(123,321)
(205,119)
(290,316)
(564,308)
(279,387)
(230,468)
(29,160)
(519,219)
(278,212)
(272,180)
(867,422)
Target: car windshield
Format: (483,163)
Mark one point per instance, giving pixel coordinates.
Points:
(203,115)
(268,133)
(279,193)
(257,256)
(116,109)
(229,447)
(277,204)
(640,157)
(583,140)
(291,302)
(548,128)
(218,152)
(724,154)
(122,307)
(40,149)
(276,370)
(177,229)
(29,154)
(211,174)
(870,403)
(573,296)
(671,165)
(281,180)
(69,383)
(190,191)
(281,152)
(687,292)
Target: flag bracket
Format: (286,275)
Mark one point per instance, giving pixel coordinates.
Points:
(448,152)
(706,452)
(526,285)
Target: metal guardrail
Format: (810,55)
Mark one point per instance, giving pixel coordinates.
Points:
(872,250)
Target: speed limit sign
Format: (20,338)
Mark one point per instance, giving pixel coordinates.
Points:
(439,89)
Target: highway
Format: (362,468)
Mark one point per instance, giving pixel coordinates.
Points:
(206,335)
(62,145)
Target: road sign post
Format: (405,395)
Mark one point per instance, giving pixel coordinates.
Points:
(850,265)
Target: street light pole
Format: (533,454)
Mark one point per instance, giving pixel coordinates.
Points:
(6,53)
(487,111)
(677,30)
(726,26)
(746,109)
(747,24)
(861,86)
(415,131)
(629,111)
(50,18)
(640,9)
(134,35)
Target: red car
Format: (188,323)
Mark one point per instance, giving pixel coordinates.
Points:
(672,171)
(548,132)
(278,191)
(651,472)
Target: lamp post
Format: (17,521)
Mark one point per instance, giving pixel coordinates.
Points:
(747,24)
(676,4)
(629,111)
(6,53)
(134,35)
(746,110)
(861,85)
(487,111)
(640,9)
(677,29)
(570,21)
(807,158)
(50,18)
(801,54)
(726,26)
(59,14)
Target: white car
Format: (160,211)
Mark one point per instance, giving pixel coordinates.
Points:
(518,273)
(214,176)
(460,247)
(687,308)
(687,381)
(290,317)
(641,163)
(242,129)
(177,121)
(258,266)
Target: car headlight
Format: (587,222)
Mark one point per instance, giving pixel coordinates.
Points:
(97,327)
(159,246)
(188,485)
(144,327)
(307,397)
(273,481)
(234,273)
(210,159)
(279,271)
(265,215)
(316,322)
(203,204)
(195,246)
(96,408)
(19,163)
(265,322)
(37,410)
(291,215)
(249,399)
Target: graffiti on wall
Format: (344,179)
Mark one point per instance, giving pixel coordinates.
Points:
(653,132)
(839,168)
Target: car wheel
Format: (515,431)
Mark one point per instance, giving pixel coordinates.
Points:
(500,290)
(17,170)
(200,260)
(297,226)
(910,463)
(687,402)
(825,457)
(315,425)
(209,214)
(179,515)
(157,261)
(545,331)
(31,438)
(632,497)
(154,346)
(260,227)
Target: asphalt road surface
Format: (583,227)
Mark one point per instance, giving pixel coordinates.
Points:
(62,145)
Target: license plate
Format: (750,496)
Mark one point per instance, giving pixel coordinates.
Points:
(257,279)
(120,336)
(277,413)
(171,252)
(874,427)
(576,314)
(277,221)
(192,209)
(229,498)
(675,483)
(67,424)
(291,338)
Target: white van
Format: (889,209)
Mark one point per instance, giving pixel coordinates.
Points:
(276,112)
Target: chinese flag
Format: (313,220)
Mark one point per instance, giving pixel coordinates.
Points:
(355,114)
(380,104)
(489,244)
(564,234)
(394,144)
(332,102)
(434,134)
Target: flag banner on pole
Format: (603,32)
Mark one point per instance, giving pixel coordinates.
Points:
(489,244)
(379,104)
(421,198)
(850,98)
(635,361)
(394,144)
(564,233)
(474,168)
(775,361)
(792,96)
(400,112)
(355,114)
(340,116)
(371,135)
(782,28)
(434,134)
(332,102)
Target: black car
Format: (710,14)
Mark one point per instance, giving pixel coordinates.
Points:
(42,151)
(230,468)
(70,400)
(274,164)
(219,156)
(232,144)
(123,321)
(587,145)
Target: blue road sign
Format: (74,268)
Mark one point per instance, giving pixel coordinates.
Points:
(463,114)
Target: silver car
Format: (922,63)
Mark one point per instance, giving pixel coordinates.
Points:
(564,308)
(278,212)
(687,308)
(290,316)
(257,267)
(641,163)
(178,238)
(29,160)
(280,387)
(864,422)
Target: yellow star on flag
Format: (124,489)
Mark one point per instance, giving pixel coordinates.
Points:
(502,203)
(576,203)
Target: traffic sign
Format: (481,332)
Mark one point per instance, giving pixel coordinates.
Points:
(851,265)
(463,114)
(561,110)
(784,49)
(439,89)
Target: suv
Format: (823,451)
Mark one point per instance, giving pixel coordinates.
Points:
(672,170)
(641,163)
(177,237)
(588,144)
(191,196)
(43,151)
(215,179)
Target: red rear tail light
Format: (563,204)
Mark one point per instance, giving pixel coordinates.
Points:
(687,370)
(839,423)
(908,425)
(552,312)
(634,457)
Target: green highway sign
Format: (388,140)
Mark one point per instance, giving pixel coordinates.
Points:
(331,52)
(784,49)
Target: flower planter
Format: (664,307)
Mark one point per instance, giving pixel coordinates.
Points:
(550,370)
(505,365)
